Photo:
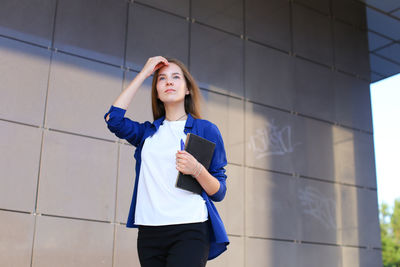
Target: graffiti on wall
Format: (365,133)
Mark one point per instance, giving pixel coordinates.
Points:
(272,140)
(317,205)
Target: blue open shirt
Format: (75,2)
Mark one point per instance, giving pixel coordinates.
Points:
(136,133)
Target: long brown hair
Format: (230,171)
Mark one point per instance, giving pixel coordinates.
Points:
(193,100)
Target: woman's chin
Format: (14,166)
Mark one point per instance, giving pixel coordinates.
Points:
(170,100)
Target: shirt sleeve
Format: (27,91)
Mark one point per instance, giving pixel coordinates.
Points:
(218,162)
(124,128)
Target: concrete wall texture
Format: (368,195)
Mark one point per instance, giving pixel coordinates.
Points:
(287,83)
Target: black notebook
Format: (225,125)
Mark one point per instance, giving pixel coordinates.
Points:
(202,150)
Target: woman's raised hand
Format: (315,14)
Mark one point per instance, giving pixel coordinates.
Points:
(153,64)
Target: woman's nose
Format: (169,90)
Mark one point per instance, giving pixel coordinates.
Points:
(169,82)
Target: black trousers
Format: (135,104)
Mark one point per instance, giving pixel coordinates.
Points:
(174,245)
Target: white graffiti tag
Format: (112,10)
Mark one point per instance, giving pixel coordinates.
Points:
(271,140)
(318,206)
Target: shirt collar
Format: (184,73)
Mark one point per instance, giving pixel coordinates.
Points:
(189,121)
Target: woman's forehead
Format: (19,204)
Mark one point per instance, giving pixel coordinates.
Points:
(171,68)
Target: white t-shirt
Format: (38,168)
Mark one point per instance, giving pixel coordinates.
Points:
(159,201)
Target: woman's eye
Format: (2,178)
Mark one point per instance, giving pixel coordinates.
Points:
(160,78)
(176,77)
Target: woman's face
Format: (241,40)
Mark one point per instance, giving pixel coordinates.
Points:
(171,84)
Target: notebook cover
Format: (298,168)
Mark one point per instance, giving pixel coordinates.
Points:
(202,150)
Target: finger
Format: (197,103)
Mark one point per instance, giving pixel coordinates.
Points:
(183,160)
(180,155)
(186,157)
(183,152)
(159,65)
(164,60)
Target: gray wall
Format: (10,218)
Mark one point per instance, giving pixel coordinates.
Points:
(286,82)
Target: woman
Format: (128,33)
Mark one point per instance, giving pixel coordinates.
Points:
(176,227)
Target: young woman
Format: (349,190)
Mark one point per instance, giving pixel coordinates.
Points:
(176,227)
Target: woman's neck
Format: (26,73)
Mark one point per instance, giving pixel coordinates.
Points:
(173,113)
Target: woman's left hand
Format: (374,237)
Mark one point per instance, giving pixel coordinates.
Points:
(185,162)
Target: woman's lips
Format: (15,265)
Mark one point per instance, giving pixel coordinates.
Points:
(169,90)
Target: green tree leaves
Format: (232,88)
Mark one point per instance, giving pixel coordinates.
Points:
(390,234)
